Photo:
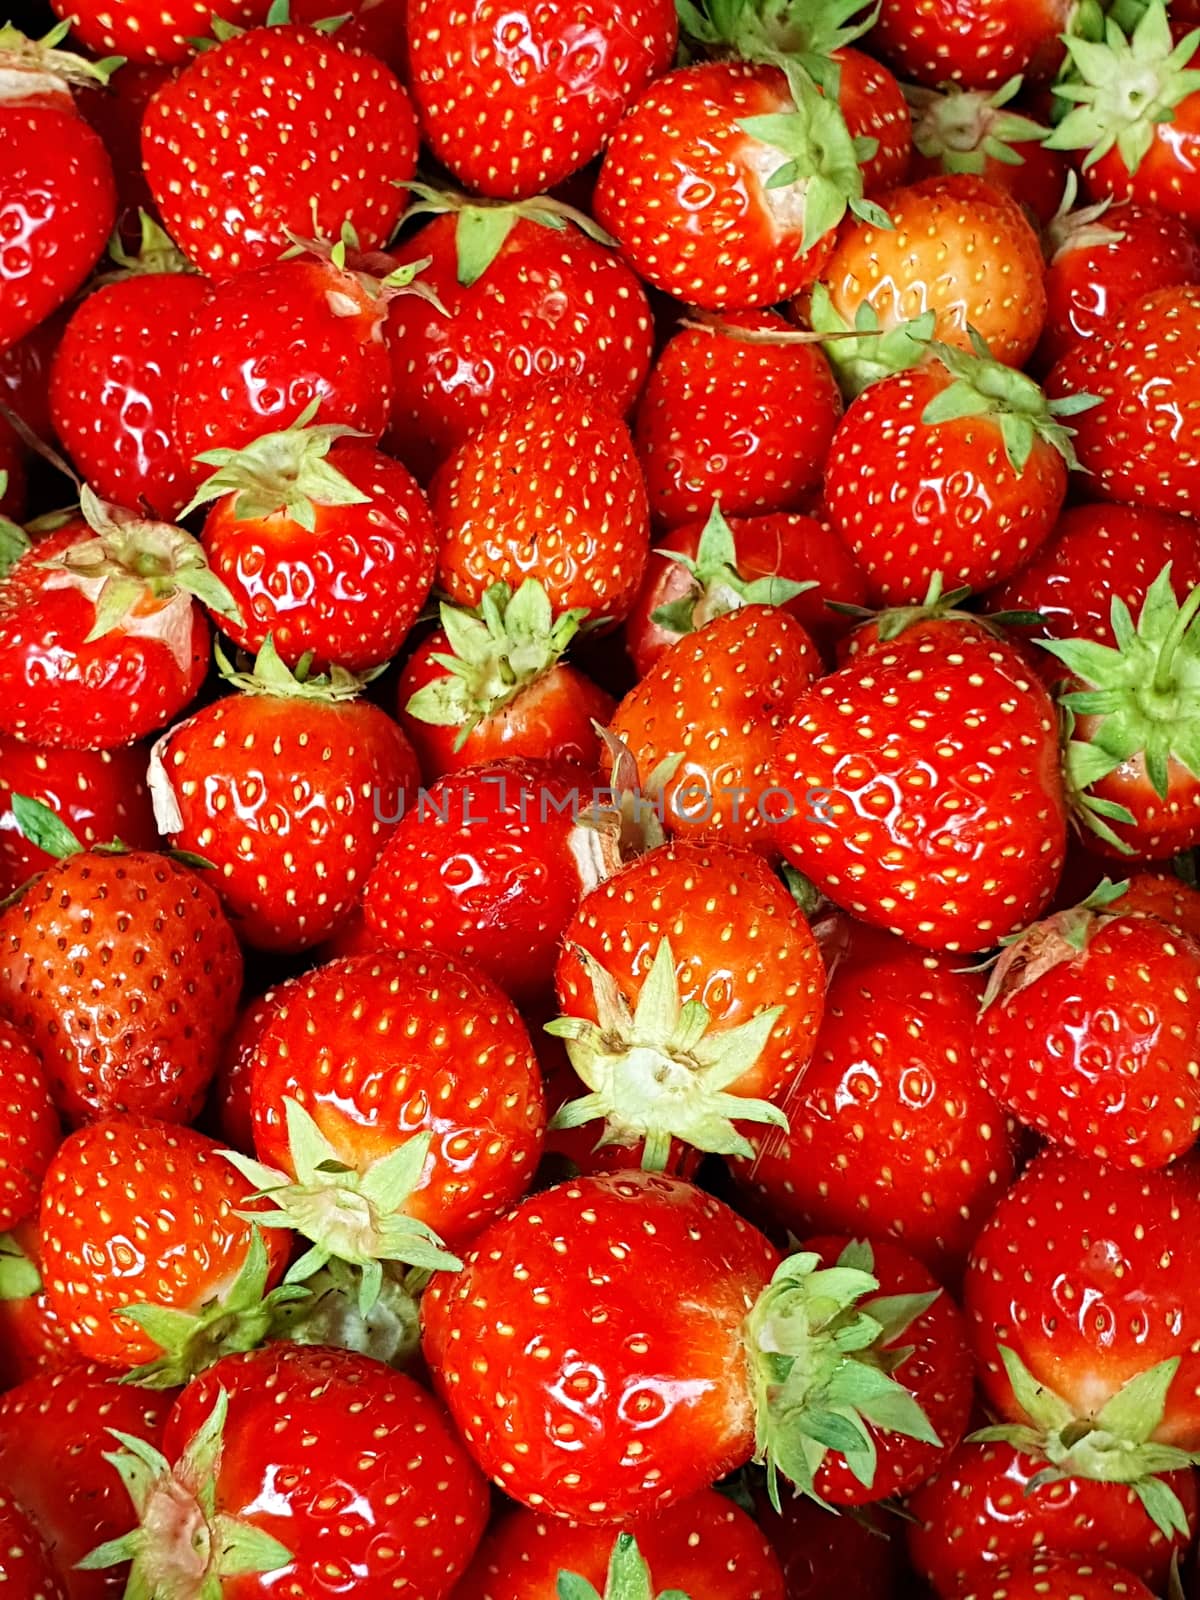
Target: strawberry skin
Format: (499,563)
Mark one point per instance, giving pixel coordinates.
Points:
(976,45)
(144,32)
(29,1131)
(32,1339)
(1061,1578)
(24,1558)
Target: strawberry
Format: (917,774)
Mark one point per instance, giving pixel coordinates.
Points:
(703,569)
(891,1130)
(701,725)
(424,1120)
(29,1128)
(527,293)
(1060,1578)
(101,641)
(141,32)
(223,142)
(24,1558)
(489,867)
(1135,108)
(935,41)
(730,415)
(133,1023)
(54,1435)
(326,545)
(408,1506)
(490,684)
(24,374)
(958,468)
(229,1101)
(706,1545)
(32,1339)
(117,118)
(817,1547)
(929,261)
(691,989)
(55,215)
(549,489)
(943,816)
(292,839)
(734,205)
(657,1306)
(115,373)
(99,795)
(1163,895)
(164,1274)
(964,130)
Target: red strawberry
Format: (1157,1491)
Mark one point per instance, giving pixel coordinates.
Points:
(325,544)
(29,1131)
(490,684)
(1060,1578)
(1162,895)
(938,40)
(162,1269)
(286,787)
(962,130)
(549,489)
(32,1339)
(229,1101)
(957,468)
(891,1131)
(817,1547)
(735,418)
(24,1558)
(101,641)
(142,32)
(24,374)
(407,1506)
(224,141)
(942,816)
(117,118)
(707,1546)
(115,374)
(513,102)
(526,294)
(55,215)
(54,1439)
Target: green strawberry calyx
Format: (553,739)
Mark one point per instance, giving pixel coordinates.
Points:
(963,129)
(632,813)
(1027,957)
(482,226)
(938,606)
(823,1362)
(628,1578)
(365,280)
(349,1215)
(14,541)
(1122,89)
(1141,696)
(863,353)
(1078,227)
(659,1070)
(1116,1445)
(191,1341)
(271,675)
(330,1314)
(779,32)
(287,474)
(157,254)
(279,16)
(497,650)
(37,66)
(717,586)
(49,833)
(183,1547)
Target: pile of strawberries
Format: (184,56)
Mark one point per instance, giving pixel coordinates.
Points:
(600,800)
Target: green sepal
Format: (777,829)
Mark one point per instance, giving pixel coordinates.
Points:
(43,57)
(483,226)
(718,586)
(157,254)
(862,354)
(19,1276)
(964,129)
(779,32)
(329,1313)
(272,676)
(628,1578)
(37,823)
(14,541)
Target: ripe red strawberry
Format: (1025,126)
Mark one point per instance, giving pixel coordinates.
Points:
(24,374)
(116,116)
(513,102)
(161,1268)
(549,489)
(285,787)
(25,1560)
(957,468)
(490,684)
(929,261)
(326,545)
(944,817)
(407,1506)
(891,1131)
(29,1131)
(935,41)
(55,215)
(133,1022)
(526,294)
(141,32)
(489,866)
(101,641)
(656,1307)
(706,1547)
(726,417)
(963,130)
(54,1440)
(817,1547)
(701,725)
(32,1339)
(115,375)
(1060,1578)
(1160,894)
(224,141)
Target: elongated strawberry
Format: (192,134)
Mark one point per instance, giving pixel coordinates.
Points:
(29,1131)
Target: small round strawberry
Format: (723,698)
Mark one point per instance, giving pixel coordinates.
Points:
(225,142)
(25,1560)
(735,418)
(162,1268)
(133,1021)
(115,375)
(240,1502)
(29,1131)
(1059,1578)
(978,46)
(490,684)
(32,1339)
(691,989)
(512,102)
(964,130)
(287,787)
(326,545)
(526,293)
(101,641)
(929,260)
(707,1547)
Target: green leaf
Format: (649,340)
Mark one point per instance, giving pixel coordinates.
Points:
(43,828)
(1138,1407)
(480,233)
